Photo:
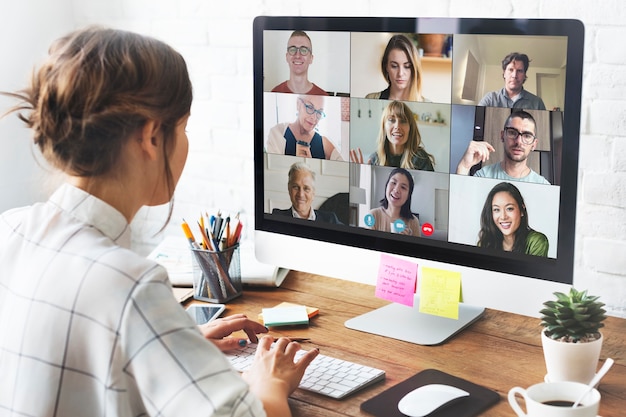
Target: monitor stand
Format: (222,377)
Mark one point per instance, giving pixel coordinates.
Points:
(406,323)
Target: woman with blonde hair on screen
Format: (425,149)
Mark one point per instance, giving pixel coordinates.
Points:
(399,141)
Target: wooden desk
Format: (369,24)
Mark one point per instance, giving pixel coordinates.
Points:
(499,351)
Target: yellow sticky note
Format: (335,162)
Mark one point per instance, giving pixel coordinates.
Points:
(439,292)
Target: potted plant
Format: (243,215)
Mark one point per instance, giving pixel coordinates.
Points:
(571,336)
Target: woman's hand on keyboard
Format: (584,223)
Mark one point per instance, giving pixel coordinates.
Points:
(273,375)
(218,331)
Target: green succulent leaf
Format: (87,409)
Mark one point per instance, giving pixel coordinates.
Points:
(574,315)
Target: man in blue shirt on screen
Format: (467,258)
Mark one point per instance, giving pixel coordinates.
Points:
(518,139)
(513,95)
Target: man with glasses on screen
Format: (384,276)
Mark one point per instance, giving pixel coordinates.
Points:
(519,140)
(299,56)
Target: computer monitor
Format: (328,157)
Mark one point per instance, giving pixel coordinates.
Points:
(388,172)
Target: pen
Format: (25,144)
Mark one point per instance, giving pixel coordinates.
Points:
(218,224)
(224,226)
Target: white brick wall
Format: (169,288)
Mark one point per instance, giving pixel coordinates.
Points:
(215,37)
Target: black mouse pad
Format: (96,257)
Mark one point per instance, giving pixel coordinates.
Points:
(385,404)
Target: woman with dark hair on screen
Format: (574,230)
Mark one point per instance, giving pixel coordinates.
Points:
(88,326)
(394,213)
(399,142)
(504,223)
(402,70)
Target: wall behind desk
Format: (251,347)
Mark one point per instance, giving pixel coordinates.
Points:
(216,40)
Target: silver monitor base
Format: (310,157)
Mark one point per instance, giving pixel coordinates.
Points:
(407,323)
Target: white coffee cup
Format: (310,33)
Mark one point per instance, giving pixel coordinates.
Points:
(536,397)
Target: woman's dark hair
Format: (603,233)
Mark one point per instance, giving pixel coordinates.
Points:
(405,210)
(97,87)
(490,236)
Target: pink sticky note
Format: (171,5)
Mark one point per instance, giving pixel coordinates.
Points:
(396,280)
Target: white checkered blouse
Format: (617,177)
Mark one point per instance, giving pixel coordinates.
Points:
(89,328)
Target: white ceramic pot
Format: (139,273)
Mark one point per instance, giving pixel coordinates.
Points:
(571,361)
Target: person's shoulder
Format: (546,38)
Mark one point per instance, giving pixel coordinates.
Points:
(373,95)
(537,178)
(326,216)
(282,212)
(537,243)
(535,102)
(376,211)
(490,99)
(281,127)
(317,91)
(487,171)
(281,88)
(373,159)
(535,234)
(421,161)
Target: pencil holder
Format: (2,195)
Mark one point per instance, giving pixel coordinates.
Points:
(216,275)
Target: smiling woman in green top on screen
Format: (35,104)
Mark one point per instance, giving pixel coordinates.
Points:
(504,223)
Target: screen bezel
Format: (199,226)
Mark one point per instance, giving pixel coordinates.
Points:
(559,269)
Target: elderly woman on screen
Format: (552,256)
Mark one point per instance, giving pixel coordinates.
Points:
(300,137)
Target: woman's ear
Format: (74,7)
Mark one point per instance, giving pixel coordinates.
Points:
(150,139)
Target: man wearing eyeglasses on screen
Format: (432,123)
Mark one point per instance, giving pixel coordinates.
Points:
(299,56)
(519,140)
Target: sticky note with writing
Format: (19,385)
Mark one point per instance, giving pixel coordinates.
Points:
(439,292)
(396,280)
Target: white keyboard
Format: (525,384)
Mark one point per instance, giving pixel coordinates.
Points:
(328,376)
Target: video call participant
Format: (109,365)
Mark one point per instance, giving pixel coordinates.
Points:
(299,138)
(301,187)
(395,206)
(84,325)
(513,95)
(519,140)
(402,69)
(399,141)
(504,223)
(299,56)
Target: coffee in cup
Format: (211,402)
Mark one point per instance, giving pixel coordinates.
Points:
(555,399)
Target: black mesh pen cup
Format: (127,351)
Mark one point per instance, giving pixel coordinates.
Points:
(216,275)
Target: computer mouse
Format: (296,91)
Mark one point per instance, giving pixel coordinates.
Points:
(425,399)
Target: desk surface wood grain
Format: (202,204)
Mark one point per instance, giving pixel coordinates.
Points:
(499,351)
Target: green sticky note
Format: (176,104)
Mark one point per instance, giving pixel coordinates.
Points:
(440,291)
(285,316)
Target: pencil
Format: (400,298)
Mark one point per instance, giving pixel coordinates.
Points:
(189,235)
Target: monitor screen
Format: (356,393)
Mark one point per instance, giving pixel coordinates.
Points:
(449,140)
